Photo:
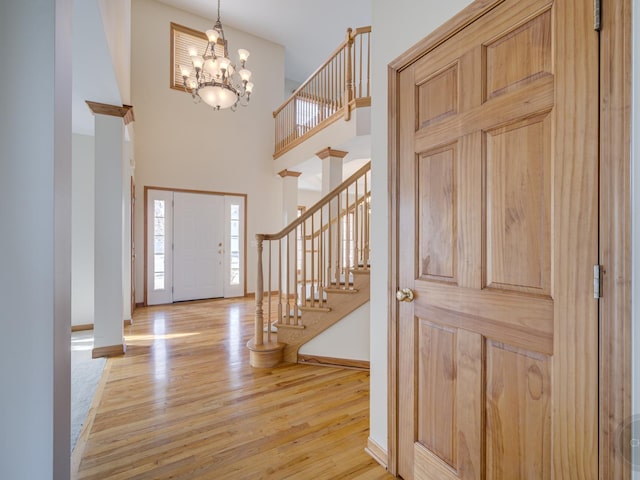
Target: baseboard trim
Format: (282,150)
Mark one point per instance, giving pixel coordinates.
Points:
(378,453)
(264,295)
(333,362)
(81,443)
(109,351)
(140,305)
(82,327)
(89,326)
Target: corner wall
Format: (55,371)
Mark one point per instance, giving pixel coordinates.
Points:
(396,26)
(82,229)
(35,245)
(185,146)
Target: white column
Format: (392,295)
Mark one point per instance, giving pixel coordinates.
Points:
(35,244)
(332,161)
(82,230)
(127,173)
(289,214)
(110,231)
(289,196)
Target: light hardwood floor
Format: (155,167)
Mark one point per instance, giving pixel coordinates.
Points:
(183,403)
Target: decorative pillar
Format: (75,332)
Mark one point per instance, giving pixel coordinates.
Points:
(110,205)
(289,214)
(289,196)
(332,161)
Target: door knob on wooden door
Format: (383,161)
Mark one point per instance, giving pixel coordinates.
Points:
(405,295)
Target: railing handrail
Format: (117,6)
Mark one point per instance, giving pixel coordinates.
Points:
(341,214)
(351,34)
(319,205)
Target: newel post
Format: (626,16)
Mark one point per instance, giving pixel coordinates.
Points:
(348,91)
(259,322)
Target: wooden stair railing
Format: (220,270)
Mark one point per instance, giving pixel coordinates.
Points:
(318,253)
(340,84)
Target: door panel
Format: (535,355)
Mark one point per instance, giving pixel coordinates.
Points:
(518,412)
(497,137)
(198,235)
(518,206)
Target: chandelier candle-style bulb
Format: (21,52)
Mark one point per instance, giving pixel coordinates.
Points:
(243,55)
(245,74)
(212,35)
(219,82)
(224,64)
(197,62)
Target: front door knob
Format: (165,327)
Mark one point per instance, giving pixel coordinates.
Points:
(405,295)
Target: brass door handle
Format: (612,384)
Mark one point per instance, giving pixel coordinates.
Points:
(405,295)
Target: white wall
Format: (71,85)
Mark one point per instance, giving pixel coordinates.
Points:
(308,198)
(35,214)
(82,229)
(116,19)
(396,26)
(635,225)
(348,339)
(182,145)
(290,86)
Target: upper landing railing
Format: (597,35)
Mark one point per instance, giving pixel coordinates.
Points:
(339,85)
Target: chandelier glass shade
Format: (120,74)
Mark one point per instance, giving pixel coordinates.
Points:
(218,82)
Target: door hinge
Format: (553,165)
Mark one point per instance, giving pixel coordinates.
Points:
(597,281)
(597,5)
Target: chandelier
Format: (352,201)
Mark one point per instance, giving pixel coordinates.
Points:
(218,82)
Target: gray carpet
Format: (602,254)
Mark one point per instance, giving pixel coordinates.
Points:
(85,376)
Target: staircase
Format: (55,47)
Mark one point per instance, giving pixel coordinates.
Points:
(313,273)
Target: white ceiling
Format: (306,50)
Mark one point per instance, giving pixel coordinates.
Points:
(310,30)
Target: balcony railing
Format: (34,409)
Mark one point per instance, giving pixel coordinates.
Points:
(339,85)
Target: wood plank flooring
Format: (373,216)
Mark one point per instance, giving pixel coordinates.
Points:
(183,403)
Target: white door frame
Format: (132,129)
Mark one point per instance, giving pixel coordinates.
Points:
(161,293)
(239,287)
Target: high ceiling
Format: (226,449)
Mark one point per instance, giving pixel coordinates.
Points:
(310,30)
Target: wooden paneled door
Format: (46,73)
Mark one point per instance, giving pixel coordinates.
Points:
(496,137)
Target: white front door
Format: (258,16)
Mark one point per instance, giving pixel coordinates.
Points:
(195,246)
(198,240)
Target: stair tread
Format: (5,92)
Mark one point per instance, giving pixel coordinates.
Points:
(288,325)
(314,309)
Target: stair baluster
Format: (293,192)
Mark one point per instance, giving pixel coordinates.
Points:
(329,242)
